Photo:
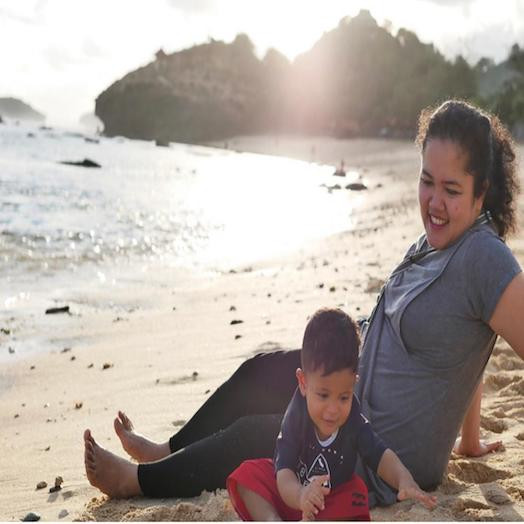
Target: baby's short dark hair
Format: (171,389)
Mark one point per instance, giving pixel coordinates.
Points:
(331,342)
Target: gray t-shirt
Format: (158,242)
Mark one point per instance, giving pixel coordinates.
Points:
(427,347)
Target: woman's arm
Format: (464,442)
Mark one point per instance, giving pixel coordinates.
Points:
(469,442)
(508,322)
(508,318)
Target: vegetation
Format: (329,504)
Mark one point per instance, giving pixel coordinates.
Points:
(358,80)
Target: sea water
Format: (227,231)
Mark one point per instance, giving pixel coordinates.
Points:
(146,206)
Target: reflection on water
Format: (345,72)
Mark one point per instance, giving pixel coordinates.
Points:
(183,205)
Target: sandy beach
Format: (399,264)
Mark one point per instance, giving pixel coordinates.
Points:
(171,343)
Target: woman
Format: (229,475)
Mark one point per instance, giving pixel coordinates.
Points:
(424,348)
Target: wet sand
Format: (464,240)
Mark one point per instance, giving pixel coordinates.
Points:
(143,359)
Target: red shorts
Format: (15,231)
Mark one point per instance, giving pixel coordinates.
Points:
(349,501)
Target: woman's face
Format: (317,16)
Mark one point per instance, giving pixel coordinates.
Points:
(445,194)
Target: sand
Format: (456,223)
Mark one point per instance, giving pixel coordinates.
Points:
(170,324)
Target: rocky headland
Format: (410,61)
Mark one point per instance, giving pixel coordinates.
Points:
(358,79)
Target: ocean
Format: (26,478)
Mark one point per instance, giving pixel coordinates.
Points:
(183,206)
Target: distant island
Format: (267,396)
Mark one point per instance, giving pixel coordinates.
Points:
(18,110)
(357,80)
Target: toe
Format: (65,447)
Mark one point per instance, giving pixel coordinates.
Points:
(125,421)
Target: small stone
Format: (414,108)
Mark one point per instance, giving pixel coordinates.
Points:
(107,365)
(48,447)
(207,391)
(194,375)
(73,358)
(46,405)
(78,405)
(31,517)
(90,366)
(63,513)
(17,415)
(32,367)
(58,485)
(232,308)
(55,310)
(321,285)
(356,186)
(11,350)
(268,322)
(65,350)
(234,322)
(237,337)
(41,485)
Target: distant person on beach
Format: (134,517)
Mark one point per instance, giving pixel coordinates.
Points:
(424,347)
(312,475)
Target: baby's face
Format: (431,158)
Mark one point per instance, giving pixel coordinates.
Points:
(328,398)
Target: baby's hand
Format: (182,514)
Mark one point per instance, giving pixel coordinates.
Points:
(412,490)
(312,497)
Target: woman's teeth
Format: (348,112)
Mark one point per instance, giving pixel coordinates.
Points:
(437,221)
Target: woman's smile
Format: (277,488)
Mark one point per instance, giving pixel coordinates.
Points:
(447,203)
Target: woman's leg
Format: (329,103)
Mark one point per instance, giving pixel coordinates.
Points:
(263,384)
(206,464)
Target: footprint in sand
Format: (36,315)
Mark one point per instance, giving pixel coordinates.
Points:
(452,486)
(507,363)
(499,381)
(516,492)
(462,504)
(476,472)
(497,495)
(492,424)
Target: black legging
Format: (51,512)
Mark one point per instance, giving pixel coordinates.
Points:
(240,421)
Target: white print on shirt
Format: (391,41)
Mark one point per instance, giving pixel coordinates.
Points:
(319,467)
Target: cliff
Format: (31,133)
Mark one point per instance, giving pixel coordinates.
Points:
(202,93)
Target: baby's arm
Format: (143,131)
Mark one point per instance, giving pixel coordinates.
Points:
(309,499)
(391,469)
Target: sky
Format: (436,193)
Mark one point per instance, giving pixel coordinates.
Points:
(59,55)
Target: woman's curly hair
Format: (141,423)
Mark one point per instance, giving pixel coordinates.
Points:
(490,152)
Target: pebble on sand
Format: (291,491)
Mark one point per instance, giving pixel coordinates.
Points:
(58,484)
(41,485)
(31,517)
(55,310)
(78,405)
(234,322)
(107,365)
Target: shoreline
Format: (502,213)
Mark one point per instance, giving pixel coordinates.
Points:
(152,354)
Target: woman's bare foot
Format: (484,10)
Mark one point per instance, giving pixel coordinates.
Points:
(114,476)
(137,446)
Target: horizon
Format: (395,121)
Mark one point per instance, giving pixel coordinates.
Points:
(63,54)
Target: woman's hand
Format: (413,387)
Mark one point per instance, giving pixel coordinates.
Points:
(477,449)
